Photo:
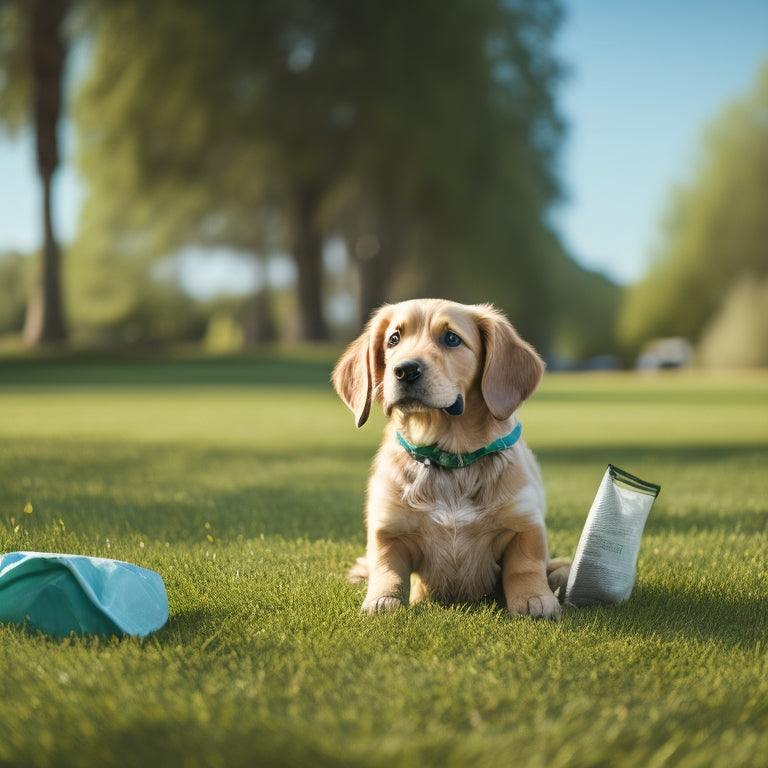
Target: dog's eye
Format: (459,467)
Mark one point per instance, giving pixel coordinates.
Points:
(394,339)
(452,339)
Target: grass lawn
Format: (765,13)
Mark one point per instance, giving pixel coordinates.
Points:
(241,482)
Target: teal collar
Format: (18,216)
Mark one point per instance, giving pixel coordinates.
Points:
(431,454)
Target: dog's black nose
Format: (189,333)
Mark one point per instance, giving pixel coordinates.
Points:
(408,371)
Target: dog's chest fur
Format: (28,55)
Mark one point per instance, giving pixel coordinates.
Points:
(461,525)
(459,561)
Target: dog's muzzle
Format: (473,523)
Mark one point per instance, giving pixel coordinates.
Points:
(412,390)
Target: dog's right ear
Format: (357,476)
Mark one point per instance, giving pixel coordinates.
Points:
(361,368)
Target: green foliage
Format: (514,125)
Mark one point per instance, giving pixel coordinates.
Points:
(15,280)
(474,149)
(738,334)
(429,130)
(584,310)
(247,499)
(715,231)
(118,303)
(15,72)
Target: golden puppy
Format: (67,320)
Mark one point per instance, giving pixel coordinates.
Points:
(455,507)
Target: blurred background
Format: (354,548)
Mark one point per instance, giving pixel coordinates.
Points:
(227,173)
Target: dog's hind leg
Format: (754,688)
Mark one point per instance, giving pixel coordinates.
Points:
(558,571)
(359,571)
(419,590)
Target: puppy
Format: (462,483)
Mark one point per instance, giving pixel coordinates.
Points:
(455,503)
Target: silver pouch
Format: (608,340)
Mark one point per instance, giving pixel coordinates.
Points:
(603,569)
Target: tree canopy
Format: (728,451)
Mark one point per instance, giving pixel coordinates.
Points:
(424,135)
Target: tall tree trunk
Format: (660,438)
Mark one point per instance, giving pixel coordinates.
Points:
(377,256)
(376,271)
(308,254)
(45,312)
(258,322)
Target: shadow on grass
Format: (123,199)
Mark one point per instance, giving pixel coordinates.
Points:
(186,494)
(700,612)
(684,396)
(704,488)
(142,368)
(672,457)
(182,493)
(267,740)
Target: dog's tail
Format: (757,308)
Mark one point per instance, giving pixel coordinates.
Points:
(359,571)
(558,571)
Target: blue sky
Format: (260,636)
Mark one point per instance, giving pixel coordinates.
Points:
(646,76)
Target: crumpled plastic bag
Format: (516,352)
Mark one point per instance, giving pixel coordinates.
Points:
(604,566)
(59,594)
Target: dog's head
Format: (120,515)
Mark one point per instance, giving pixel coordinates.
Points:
(436,355)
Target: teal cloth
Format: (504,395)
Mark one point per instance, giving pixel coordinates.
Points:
(59,594)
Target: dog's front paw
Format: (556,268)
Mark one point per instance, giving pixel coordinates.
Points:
(381,604)
(544,606)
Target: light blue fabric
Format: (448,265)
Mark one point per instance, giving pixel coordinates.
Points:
(59,594)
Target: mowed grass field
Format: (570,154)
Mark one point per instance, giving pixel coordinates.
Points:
(242,483)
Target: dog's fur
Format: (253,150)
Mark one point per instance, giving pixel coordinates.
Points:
(454,535)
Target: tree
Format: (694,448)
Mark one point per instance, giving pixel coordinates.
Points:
(219,161)
(14,291)
(423,133)
(715,229)
(31,67)
(737,336)
(460,97)
(159,176)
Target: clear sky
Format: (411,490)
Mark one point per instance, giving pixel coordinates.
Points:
(645,78)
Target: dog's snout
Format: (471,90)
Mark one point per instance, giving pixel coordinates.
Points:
(408,371)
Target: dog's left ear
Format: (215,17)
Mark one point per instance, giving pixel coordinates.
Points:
(361,367)
(512,369)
